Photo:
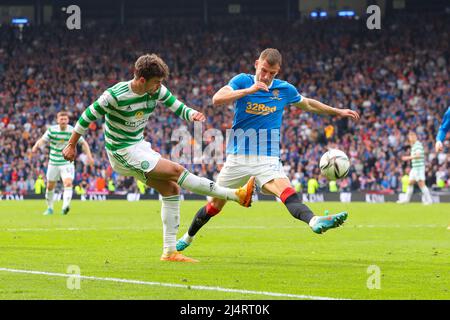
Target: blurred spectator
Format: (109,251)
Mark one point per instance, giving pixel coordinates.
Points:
(397,78)
(313,185)
(39,185)
(100,184)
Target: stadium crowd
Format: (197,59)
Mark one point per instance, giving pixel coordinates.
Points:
(396,78)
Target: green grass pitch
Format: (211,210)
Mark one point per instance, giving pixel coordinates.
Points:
(261,249)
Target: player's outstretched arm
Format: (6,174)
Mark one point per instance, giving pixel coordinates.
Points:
(226,95)
(318,107)
(180,109)
(92,113)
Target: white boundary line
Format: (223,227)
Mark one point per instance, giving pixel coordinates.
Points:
(171,285)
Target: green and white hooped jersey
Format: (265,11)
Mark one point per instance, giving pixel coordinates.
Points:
(127,113)
(58,140)
(420,162)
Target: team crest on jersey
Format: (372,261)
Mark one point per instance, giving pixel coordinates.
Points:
(139,114)
(275,93)
(151,103)
(145,165)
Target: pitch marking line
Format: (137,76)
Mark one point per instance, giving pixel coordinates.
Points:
(171,285)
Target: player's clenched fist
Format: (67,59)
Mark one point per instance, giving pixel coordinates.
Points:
(198,116)
(69,152)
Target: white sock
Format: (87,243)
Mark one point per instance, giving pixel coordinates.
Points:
(313,220)
(49,194)
(205,187)
(426,193)
(170,216)
(409,193)
(67,196)
(187,238)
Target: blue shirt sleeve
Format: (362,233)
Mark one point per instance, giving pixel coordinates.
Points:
(293,94)
(445,126)
(239,82)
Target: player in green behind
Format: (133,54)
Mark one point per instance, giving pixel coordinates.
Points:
(126,108)
(417,173)
(58,167)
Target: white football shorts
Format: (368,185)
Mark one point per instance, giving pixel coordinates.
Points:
(417,174)
(54,173)
(239,168)
(135,160)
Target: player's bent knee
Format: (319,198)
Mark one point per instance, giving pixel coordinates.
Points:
(178,169)
(217,204)
(68,184)
(51,186)
(169,189)
(175,188)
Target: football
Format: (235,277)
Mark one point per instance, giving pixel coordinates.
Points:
(334,164)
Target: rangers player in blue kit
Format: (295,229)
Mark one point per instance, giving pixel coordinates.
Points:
(254,146)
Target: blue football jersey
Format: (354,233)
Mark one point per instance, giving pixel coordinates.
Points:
(445,126)
(257,117)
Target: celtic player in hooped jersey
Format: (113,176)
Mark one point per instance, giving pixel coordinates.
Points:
(254,146)
(126,108)
(58,136)
(417,173)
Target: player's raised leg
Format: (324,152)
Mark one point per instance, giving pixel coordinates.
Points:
(231,175)
(168,170)
(201,218)
(282,188)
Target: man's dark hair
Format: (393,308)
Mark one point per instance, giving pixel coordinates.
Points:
(150,66)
